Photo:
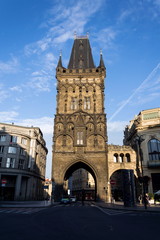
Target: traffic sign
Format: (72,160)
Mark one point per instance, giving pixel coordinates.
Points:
(113,182)
(3,181)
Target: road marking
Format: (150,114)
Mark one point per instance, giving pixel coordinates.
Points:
(111,212)
(21,211)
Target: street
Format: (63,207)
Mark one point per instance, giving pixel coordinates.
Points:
(74,221)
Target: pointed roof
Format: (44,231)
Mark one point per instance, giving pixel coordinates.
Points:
(60,61)
(81,55)
(101,63)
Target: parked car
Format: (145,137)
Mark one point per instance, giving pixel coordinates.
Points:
(65,200)
(73,199)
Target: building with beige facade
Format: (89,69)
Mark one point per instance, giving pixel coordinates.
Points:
(143,135)
(82,179)
(22,162)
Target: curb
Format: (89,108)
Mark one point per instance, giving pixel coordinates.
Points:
(116,207)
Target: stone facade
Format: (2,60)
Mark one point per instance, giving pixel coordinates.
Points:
(121,157)
(80,132)
(22,162)
(143,134)
(80,122)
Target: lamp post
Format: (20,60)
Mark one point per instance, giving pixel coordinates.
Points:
(138,141)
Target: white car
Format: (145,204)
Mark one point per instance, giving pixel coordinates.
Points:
(73,199)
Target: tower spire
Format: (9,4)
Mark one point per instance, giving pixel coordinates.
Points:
(60,60)
(81,55)
(101,63)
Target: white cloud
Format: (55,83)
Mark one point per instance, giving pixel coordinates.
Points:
(115,132)
(125,14)
(18,100)
(106,37)
(44,123)
(9,66)
(3,94)
(16,89)
(41,80)
(8,116)
(116,126)
(40,83)
(62,22)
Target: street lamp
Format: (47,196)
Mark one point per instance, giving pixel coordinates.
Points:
(139,140)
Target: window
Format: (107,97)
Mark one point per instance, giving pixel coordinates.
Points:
(73,103)
(80,138)
(13,139)
(115,157)
(0,161)
(22,151)
(21,164)
(24,141)
(10,163)
(12,150)
(1,149)
(87,104)
(121,159)
(128,158)
(2,138)
(154,149)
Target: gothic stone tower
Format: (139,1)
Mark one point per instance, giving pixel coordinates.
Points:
(80,133)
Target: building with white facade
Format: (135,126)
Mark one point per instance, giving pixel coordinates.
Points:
(143,134)
(22,162)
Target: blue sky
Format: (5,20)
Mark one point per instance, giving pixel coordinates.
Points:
(32,34)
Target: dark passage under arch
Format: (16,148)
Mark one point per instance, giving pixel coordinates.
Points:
(81,165)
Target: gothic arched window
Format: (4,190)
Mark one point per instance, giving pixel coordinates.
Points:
(128,158)
(115,157)
(154,149)
(121,157)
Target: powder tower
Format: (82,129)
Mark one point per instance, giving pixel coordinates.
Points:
(80,133)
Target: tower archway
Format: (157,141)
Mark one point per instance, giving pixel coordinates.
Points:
(123,186)
(81,171)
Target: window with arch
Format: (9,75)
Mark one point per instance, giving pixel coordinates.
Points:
(128,157)
(79,138)
(73,103)
(121,158)
(87,103)
(154,149)
(115,157)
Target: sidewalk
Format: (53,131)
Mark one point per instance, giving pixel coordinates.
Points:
(120,206)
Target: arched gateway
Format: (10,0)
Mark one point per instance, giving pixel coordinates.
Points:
(80,133)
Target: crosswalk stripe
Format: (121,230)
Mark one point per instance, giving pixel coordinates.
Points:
(21,211)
